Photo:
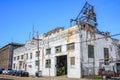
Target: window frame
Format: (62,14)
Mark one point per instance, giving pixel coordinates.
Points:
(48,51)
(58,49)
(14,58)
(30,55)
(36,62)
(14,66)
(72,61)
(48,63)
(106,56)
(91,51)
(26,55)
(71,46)
(18,57)
(22,57)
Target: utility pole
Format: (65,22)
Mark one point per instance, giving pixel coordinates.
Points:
(38,51)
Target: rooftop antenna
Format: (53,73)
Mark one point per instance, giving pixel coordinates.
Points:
(33,32)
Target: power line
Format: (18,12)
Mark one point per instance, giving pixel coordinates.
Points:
(89,40)
(104,37)
(101,38)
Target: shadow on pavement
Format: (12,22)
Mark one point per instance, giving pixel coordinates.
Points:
(5,79)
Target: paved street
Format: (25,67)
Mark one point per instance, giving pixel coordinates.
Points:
(9,77)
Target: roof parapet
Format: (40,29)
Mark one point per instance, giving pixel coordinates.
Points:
(56,30)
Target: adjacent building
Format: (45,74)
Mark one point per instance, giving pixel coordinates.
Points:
(25,57)
(6,54)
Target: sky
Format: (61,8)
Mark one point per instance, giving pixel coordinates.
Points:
(17,17)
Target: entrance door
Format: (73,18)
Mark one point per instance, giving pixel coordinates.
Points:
(118,68)
(20,65)
(61,65)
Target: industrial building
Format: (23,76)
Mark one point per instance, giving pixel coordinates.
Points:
(68,48)
(75,52)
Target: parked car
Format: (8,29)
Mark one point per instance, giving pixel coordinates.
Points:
(22,73)
(12,72)
(1,69)
(6,71)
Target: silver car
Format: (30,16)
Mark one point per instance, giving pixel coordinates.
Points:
(6,71)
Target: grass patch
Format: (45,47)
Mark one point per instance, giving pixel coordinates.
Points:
(97,78)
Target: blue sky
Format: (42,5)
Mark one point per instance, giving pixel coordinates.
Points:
(17,17)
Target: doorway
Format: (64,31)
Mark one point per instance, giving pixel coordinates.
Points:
(118,68)
(61,65)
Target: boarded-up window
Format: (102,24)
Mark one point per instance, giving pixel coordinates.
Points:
(48,63)
(71,46)
(106,56)
(48,51)
(72,60)
(58,49)
(90,51)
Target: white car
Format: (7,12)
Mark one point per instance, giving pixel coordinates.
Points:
(6,71)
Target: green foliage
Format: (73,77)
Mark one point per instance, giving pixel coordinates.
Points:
(61,71)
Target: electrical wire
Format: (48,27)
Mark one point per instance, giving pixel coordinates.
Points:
(101,38)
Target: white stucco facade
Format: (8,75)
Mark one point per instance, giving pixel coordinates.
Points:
(79,53)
